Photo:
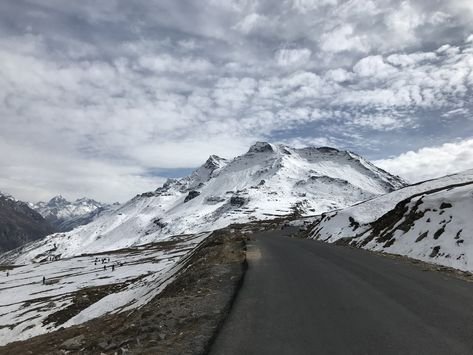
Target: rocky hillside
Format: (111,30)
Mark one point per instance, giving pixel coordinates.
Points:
(65,215)
(430,221)
(269,180)
(19,224)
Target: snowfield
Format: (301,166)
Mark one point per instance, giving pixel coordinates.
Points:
(78,289)
(429,221)
(268,181)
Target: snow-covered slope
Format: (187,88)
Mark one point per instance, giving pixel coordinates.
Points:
(267,181)
(65,215)
(430,221)
(123,280)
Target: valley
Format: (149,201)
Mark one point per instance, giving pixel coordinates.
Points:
(174,259)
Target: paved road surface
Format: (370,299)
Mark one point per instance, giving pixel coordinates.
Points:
(307,297)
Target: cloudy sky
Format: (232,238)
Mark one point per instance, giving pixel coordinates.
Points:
(108,98)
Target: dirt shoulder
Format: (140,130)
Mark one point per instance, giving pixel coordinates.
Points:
(183,319)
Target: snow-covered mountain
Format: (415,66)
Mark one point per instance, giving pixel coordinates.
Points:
(268,181)
(430,221)
(65,215)
(19,224)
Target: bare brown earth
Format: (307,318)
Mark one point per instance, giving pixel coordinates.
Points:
(183,319)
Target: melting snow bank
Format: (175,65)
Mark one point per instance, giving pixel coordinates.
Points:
(431,221)
(81,288)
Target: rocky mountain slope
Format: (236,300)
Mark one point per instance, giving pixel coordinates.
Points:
(268,181)
(65,215)
(19,224)
(430,221)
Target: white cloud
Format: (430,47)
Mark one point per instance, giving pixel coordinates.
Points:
(305,6)
(354,9)
(431,162)
(293,57)
(462,112)
(438,18)
(251,23)
(343,38)
(463,6)
(301,142)
(33,174)
(404,21)
(191,152)
(379,122)
(167,63)
(374,67)
(338,75)
(406,60)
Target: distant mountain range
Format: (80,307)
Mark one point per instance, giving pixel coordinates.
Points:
(65,215)
(22,222)
(268,181)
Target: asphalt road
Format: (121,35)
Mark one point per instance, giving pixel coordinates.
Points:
(307,297)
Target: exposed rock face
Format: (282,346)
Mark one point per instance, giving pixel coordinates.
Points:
(327,150)
(19,224)
(214,162)
(261,147)
(192,194)
(237,201)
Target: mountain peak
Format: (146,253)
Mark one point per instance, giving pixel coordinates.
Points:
(87,200)
(214,162)
(261,147)
(206,171)
(7,196)
(266,182)
(59,199)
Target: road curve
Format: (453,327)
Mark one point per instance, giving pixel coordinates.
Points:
(307,297)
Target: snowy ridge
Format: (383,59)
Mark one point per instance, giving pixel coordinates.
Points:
(429,221)
(269,180)
(61,208)
(8,197)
